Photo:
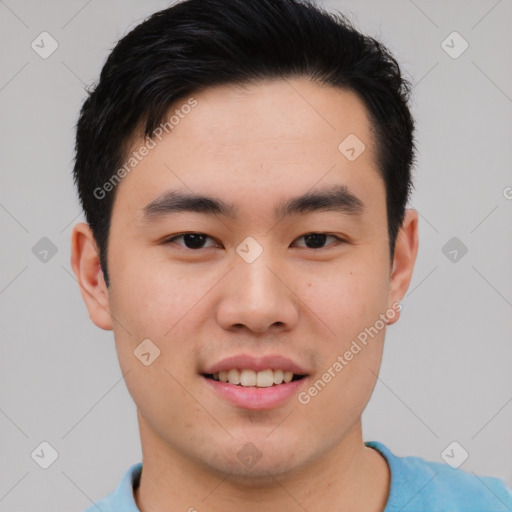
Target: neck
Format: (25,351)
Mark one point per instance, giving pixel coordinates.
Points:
(340,479)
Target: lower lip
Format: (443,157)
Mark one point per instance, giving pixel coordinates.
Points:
(253,397)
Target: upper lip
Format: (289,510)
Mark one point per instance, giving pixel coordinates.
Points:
(248,362)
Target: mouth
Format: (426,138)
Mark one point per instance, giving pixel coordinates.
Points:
(255,382)
(255,390)
(248,378)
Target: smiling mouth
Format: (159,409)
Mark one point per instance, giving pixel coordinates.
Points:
(250,378)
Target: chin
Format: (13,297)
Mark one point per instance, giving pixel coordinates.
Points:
(259,463)
(262,474)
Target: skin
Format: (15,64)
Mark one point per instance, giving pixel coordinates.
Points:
(253,147)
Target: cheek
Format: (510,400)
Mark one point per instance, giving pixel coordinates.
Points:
(146,306)
(151,306)
(346,301)
(151,296)
(349,303)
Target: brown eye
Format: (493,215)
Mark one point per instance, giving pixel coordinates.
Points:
(317,240)
(191,240)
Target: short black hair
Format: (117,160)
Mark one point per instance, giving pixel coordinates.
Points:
(196,44)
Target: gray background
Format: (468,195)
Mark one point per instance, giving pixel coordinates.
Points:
(446,373)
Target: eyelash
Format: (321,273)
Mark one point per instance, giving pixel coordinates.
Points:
(171,240)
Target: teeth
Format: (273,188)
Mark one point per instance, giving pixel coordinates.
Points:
(265,379)
(287,376)
(278,376)
(234,376)
(262,379)
(248,378)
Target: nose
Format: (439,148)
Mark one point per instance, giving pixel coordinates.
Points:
(258,296)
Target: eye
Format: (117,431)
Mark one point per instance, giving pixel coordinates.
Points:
(195,241)
(317,240)
(191,240)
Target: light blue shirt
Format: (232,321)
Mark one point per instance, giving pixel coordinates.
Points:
(417,485)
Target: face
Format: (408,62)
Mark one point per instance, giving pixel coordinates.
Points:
(256,278)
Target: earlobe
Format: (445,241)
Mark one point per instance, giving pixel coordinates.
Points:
(86,266)
(406,250)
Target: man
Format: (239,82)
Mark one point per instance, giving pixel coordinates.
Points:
(244,168)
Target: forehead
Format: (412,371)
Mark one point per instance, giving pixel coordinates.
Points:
(283,116)
(260,139)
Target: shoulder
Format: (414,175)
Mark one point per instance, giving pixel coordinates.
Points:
(418,484)
(122,497)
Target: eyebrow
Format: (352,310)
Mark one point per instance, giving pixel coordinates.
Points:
(334,198)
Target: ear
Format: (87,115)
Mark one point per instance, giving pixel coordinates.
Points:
(85,262)
(406,249)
